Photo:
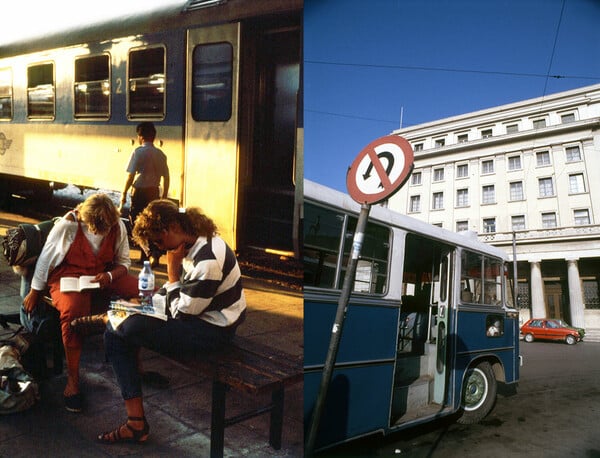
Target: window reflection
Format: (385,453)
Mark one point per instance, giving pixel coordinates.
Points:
(147,83)
(92,87)
(40,91)
(212,82)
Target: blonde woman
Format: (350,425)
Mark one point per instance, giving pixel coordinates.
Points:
(90,240)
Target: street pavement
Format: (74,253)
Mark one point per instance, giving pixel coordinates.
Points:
(179,416)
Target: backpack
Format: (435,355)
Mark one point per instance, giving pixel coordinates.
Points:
(23,244)
(18,389)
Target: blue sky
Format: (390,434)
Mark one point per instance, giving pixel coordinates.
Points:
(367,64)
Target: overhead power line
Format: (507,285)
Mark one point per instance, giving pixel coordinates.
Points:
(453,70)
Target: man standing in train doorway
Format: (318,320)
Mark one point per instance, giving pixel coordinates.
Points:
(149,163)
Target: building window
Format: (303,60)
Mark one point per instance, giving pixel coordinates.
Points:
(440,142)
(581,217)
(591,297)
(486,133)
(512,128)
(462,138)
(546,187)
(40,91)
(518,222)
(573,153)
(542,158)
(576,184)
(462,226)
(566,118)
(415,204)
(462,198)
(514,163)
(438,174)
(416,178)
(462,171)
(438,224)
(489,225)
(523,294)
(146,88)
(487,167)
(488,194)
(438,200)
(539,123)
(6,94)
(549,220)
(516,191)
(92,87)
(418,147)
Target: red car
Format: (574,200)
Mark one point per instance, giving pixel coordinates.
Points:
(551,329)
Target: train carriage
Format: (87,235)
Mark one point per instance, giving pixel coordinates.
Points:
(221,80)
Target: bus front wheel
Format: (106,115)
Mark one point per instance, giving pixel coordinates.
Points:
(478,393)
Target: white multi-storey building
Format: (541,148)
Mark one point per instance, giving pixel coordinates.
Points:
(528,171)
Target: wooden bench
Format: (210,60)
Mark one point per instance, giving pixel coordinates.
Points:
(244,366)
(251,368)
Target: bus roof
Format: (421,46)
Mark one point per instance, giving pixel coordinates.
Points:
(318,193)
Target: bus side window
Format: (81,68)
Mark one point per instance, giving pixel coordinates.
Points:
(372,266)
(322,236)
(470,279)
(328,236)
(480,279)
(494,325)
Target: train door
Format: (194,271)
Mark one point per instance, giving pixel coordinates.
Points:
(269,125)
(211,151)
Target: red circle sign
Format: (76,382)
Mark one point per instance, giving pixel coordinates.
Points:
(380,169)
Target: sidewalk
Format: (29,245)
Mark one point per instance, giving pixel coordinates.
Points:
(179,416)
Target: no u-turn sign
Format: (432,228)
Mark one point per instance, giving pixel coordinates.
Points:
(380,169)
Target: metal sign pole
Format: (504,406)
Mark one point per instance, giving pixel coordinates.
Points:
(515,277)
(336,332)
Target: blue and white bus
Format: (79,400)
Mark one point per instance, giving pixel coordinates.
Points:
(430,328)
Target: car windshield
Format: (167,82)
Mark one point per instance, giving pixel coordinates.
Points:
(558,323)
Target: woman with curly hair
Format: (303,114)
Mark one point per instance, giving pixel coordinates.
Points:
(90,240)
(203,299)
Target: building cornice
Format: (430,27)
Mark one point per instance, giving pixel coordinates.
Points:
(526,135)
(541,236)
(528,108)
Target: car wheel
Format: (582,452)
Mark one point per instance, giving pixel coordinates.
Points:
(478,393)
(570,340)
(528,338)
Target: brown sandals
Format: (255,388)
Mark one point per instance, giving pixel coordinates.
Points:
(90,325)
(139,435)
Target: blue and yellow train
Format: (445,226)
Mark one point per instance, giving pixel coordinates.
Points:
(221,80)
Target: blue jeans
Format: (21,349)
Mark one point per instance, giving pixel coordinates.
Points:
(174,336)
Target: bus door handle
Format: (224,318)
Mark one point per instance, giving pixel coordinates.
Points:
(442,311)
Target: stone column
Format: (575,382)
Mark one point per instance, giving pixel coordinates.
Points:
(575,294)
(538,307)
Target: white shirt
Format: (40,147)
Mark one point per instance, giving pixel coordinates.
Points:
(59,241)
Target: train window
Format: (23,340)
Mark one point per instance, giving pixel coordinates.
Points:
(212,82)
(40,91)
(6,96)
(147,76)
(92,87)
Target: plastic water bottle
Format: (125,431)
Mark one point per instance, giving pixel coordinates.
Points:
(146,284)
